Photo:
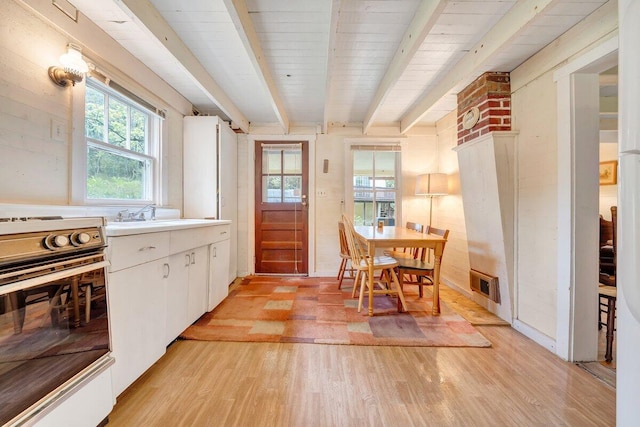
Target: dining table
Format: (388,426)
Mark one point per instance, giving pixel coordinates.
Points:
(374,237)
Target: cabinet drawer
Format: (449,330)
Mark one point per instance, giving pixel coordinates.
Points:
(221,232)
(128,251)
(186,239)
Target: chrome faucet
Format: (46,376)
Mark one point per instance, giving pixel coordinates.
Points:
(126,216)
(140,213)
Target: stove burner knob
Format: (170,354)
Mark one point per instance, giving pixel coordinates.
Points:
(80,238)
(60,241)
(52,241)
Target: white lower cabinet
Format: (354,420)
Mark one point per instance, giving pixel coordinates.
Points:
(218,273)
(186,290)
(137,316)
(177,295)
(198,282)
(159,284)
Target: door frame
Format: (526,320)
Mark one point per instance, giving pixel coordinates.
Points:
(251,195)
(576,332)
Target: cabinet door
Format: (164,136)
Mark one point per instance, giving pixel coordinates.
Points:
(200,181)
(137,301)
(198,282)
(219,270)
(177,295)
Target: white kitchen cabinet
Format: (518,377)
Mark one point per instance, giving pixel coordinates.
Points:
(198,283)
(158,284)
(218,284)
(211,176)
(137,308)
(186,290)
(177,295)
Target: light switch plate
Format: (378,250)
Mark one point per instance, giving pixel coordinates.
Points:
(58,130)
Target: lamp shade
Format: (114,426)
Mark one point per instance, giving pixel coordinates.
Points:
(432,184)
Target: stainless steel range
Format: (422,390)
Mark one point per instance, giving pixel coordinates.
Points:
(54,327)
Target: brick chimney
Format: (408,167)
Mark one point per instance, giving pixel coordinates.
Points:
(484,106)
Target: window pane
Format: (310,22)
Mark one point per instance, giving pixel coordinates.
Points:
(363,163)
(94,114)
(385,164)
(385,182)
(113,176)
(292,189)
(292,161)
(271,189)
(271,163)
(117,123)
(138,131)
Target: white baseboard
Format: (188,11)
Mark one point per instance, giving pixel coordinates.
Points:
(535,335)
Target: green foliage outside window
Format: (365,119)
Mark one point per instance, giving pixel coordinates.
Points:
(117,172)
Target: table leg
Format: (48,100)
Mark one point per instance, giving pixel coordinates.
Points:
(372,251)
(75,281)
(436,285)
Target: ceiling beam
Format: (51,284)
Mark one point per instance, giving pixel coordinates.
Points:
(516,20)
(240,16)
(331,54)
(149,19)
(423,20)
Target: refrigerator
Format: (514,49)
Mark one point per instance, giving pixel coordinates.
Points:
(210,175)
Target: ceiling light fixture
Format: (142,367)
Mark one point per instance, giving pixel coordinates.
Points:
(73,67)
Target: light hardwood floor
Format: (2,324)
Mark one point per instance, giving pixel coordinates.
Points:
(514,383)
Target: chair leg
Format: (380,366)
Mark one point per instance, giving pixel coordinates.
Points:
(401,284)
(87,308)
(611,321)
(394,277)
(343,267)
(364,281)
(355,284)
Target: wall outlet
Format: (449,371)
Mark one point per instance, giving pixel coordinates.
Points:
(321,193)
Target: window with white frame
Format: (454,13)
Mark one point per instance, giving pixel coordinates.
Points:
(375,189)
(121,147)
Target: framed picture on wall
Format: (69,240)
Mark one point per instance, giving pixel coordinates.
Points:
(609,172)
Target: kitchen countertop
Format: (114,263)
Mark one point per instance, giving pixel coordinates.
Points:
(114,229)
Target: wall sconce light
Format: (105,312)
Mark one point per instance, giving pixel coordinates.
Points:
(73,67)
(431,185)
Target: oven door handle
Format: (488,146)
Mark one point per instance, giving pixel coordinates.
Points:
(51,277)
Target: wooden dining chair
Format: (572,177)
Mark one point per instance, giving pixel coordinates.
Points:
(420,268)
(361,262)
(345,263)
(407,252)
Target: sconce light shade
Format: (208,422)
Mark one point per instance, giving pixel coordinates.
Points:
(73,67)
(432,184)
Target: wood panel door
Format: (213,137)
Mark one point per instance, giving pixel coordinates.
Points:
(281,217)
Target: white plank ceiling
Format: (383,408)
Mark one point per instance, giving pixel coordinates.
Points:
(331,63)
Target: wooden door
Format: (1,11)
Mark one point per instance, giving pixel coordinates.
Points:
(281,217)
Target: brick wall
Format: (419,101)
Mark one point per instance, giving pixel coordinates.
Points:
(491,94)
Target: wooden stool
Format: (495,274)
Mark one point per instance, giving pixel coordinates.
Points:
(609,293)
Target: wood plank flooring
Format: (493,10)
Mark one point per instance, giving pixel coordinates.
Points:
(514,383)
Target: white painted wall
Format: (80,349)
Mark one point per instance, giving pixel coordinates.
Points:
(34,167)
(449,212)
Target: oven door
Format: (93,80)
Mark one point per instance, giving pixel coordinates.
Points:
(53,325)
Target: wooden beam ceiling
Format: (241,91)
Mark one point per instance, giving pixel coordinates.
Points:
(146,16)
(240,16)
(519,17)
(424,19)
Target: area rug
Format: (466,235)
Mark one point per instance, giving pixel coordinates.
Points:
(314,310)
